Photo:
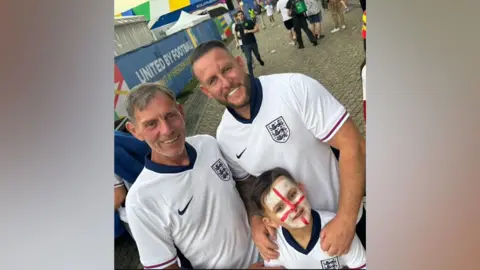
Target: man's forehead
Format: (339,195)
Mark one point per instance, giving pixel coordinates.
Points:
(212,60)
(159,105)
(218,54)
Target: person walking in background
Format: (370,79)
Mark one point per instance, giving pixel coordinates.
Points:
(269,9)
(297,10)
(287,20)
(336,9)
(344,4)
(238,41)
(314,16)
(363,3)
(258,9)
(245,29)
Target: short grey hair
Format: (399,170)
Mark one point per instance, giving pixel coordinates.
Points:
(140,96)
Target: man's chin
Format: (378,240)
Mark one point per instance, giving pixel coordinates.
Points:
(236,106)
(173,151)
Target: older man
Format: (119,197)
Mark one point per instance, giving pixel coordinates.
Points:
(290,121)
(185,196)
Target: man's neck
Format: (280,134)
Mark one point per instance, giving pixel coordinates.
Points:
(244,112)
(179,160)
(303,235)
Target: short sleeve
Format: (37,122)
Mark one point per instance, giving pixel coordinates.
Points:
(153,238)
(356,257)
(118,181)
(320,111)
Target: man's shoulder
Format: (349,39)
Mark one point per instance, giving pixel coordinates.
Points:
(201,139)
(204,144)
(288,82)
(281,83)
(288,76)
(140,190)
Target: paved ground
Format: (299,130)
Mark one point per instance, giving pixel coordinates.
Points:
(334,62)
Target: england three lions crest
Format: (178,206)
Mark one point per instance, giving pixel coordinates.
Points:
(279,130)
(221,169)
(331,263)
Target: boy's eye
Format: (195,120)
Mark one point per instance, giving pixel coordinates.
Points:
(293,195)
(279,208)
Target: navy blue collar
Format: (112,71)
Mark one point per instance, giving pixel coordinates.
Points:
(160,168)
(256,97)
(317,225)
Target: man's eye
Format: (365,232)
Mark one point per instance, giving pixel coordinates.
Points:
(212,81)
(293,195)
(279,208)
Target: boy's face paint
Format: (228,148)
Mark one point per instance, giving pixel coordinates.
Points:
(288,203)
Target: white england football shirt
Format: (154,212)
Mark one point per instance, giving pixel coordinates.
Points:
(196,208)
(293,118)
(294,256)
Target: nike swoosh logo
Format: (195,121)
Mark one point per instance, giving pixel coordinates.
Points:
(240,155)
(181,212)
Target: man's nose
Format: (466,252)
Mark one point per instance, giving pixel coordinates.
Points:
(225,82)
(165,128)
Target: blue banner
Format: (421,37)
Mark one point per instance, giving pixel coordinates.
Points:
(165,61)
(128,13)
(206,31)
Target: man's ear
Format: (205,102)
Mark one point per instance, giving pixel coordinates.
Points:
(181,110)
(205,91)
(269,222)
(240,61)
(133,130)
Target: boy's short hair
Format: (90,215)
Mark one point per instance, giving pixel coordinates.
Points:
(263,184)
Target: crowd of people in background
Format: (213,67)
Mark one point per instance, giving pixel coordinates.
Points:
(297,16)
(268,207)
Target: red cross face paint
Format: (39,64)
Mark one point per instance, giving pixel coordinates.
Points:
(288,203)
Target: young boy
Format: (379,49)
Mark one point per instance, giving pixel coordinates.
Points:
(284,206)
(269,9)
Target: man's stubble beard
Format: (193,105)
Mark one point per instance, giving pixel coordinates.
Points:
(246,102)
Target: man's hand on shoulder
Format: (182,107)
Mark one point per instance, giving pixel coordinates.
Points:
(336,237)
(263,236)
